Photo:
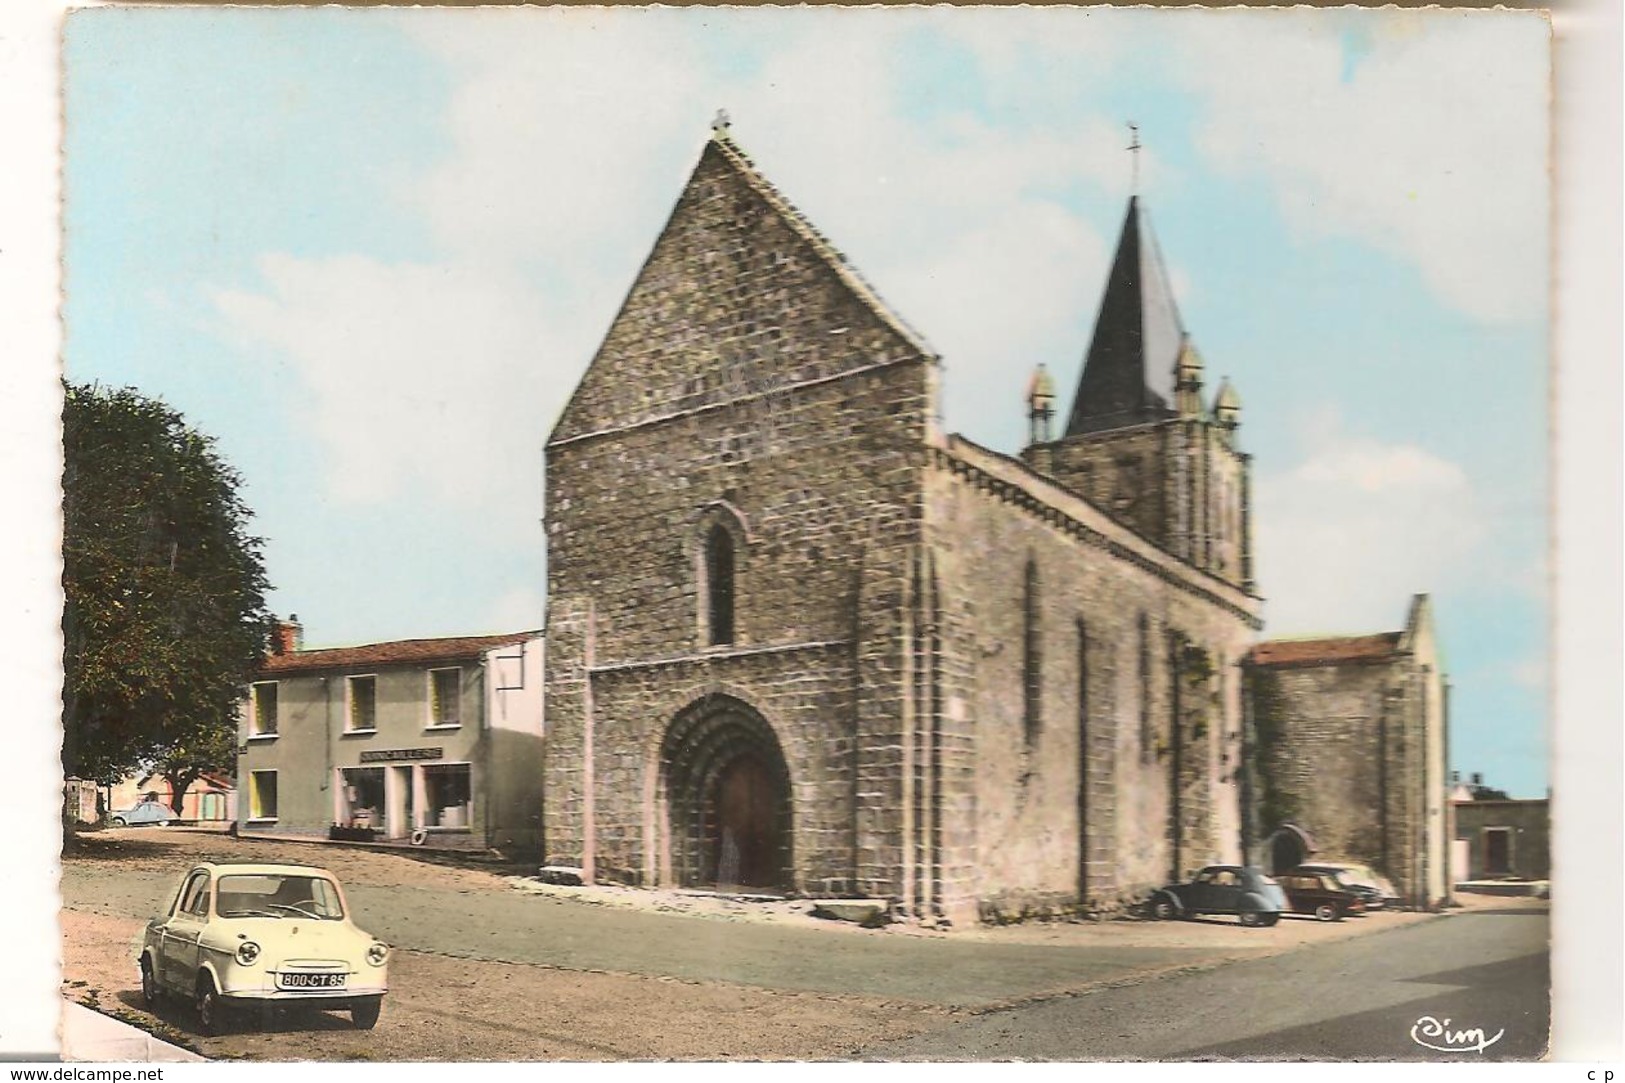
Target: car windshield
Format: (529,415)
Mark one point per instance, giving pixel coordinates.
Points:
(278,895)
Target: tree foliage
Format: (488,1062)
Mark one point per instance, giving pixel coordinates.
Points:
(164,619)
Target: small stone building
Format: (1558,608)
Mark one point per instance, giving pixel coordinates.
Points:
(432,742)
(1349,748)
(802,640)
(1503,838)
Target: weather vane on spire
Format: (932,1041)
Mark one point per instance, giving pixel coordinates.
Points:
(1134,156)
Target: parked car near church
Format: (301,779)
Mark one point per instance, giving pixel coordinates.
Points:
(1346,880)
(1362,879)
(1320,894)
(1242,890)
(241,935)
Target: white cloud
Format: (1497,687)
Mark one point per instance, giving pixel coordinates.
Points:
(1356,527)
(447,374)
(442,376)
(1431,145)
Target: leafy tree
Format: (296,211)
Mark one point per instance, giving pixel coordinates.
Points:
(164,619)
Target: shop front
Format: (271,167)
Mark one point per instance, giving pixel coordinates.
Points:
(394,794)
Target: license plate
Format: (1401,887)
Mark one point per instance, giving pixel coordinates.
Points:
(310,981)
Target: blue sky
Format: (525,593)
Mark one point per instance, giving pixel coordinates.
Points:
(371,251)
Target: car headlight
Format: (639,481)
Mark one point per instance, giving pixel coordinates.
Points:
(247,952)
(377,953)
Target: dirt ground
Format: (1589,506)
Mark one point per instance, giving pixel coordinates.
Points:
(451,1004)
(443,1009)
(164,850)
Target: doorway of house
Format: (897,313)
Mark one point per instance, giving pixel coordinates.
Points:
(1497,851)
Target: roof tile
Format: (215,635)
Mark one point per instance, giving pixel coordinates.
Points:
(1321,652)
(399,652)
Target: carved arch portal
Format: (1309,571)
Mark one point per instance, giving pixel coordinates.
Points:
(725,792)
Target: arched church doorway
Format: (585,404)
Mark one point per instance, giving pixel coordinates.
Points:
(1289,846)
(727,797)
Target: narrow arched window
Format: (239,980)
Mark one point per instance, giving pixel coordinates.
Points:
(1145,689)
(719,584)
(1032,657)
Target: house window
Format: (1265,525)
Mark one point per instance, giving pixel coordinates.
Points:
(361,694)
(445,697)
(262,795)
(262,709)
(1032,657)
(448,791)
(719,584)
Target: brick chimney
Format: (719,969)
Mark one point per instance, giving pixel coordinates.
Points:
(289,635)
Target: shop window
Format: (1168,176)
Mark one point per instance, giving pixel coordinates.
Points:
(262,795)
(262,709)
(445,696)
(448,794)
(361,797)
(361,693)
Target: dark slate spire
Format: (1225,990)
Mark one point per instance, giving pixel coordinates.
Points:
(1128,377)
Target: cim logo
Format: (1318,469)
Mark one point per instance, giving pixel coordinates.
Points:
(1428,1030)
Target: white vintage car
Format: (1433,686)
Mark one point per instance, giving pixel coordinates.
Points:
(246,934)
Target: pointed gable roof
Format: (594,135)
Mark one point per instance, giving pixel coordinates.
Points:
(1128,375)
(740,296)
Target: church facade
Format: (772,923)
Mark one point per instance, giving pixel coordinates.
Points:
(800,639)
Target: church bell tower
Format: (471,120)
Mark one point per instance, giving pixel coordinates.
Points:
(1140,441)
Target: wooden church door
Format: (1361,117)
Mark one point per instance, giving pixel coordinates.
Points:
(745,844)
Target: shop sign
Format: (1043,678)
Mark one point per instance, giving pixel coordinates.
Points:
(385,755)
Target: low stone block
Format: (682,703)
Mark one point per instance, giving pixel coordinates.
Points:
(567,875)
(868,912)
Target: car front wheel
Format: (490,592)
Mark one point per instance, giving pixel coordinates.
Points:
(211,1012)
(1163,909)
(1327,912)
(1252,918)
(150,992)
(364,1013)
(117,821)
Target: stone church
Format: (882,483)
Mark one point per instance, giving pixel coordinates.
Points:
(801,639)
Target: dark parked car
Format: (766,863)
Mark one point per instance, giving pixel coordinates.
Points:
(147,812)
(1320,894)
(1361,879)
(1370,894)
(1242,890)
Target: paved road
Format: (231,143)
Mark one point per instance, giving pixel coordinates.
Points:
(519,928)
(1355,999)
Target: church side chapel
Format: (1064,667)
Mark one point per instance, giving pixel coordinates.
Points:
(802,641)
